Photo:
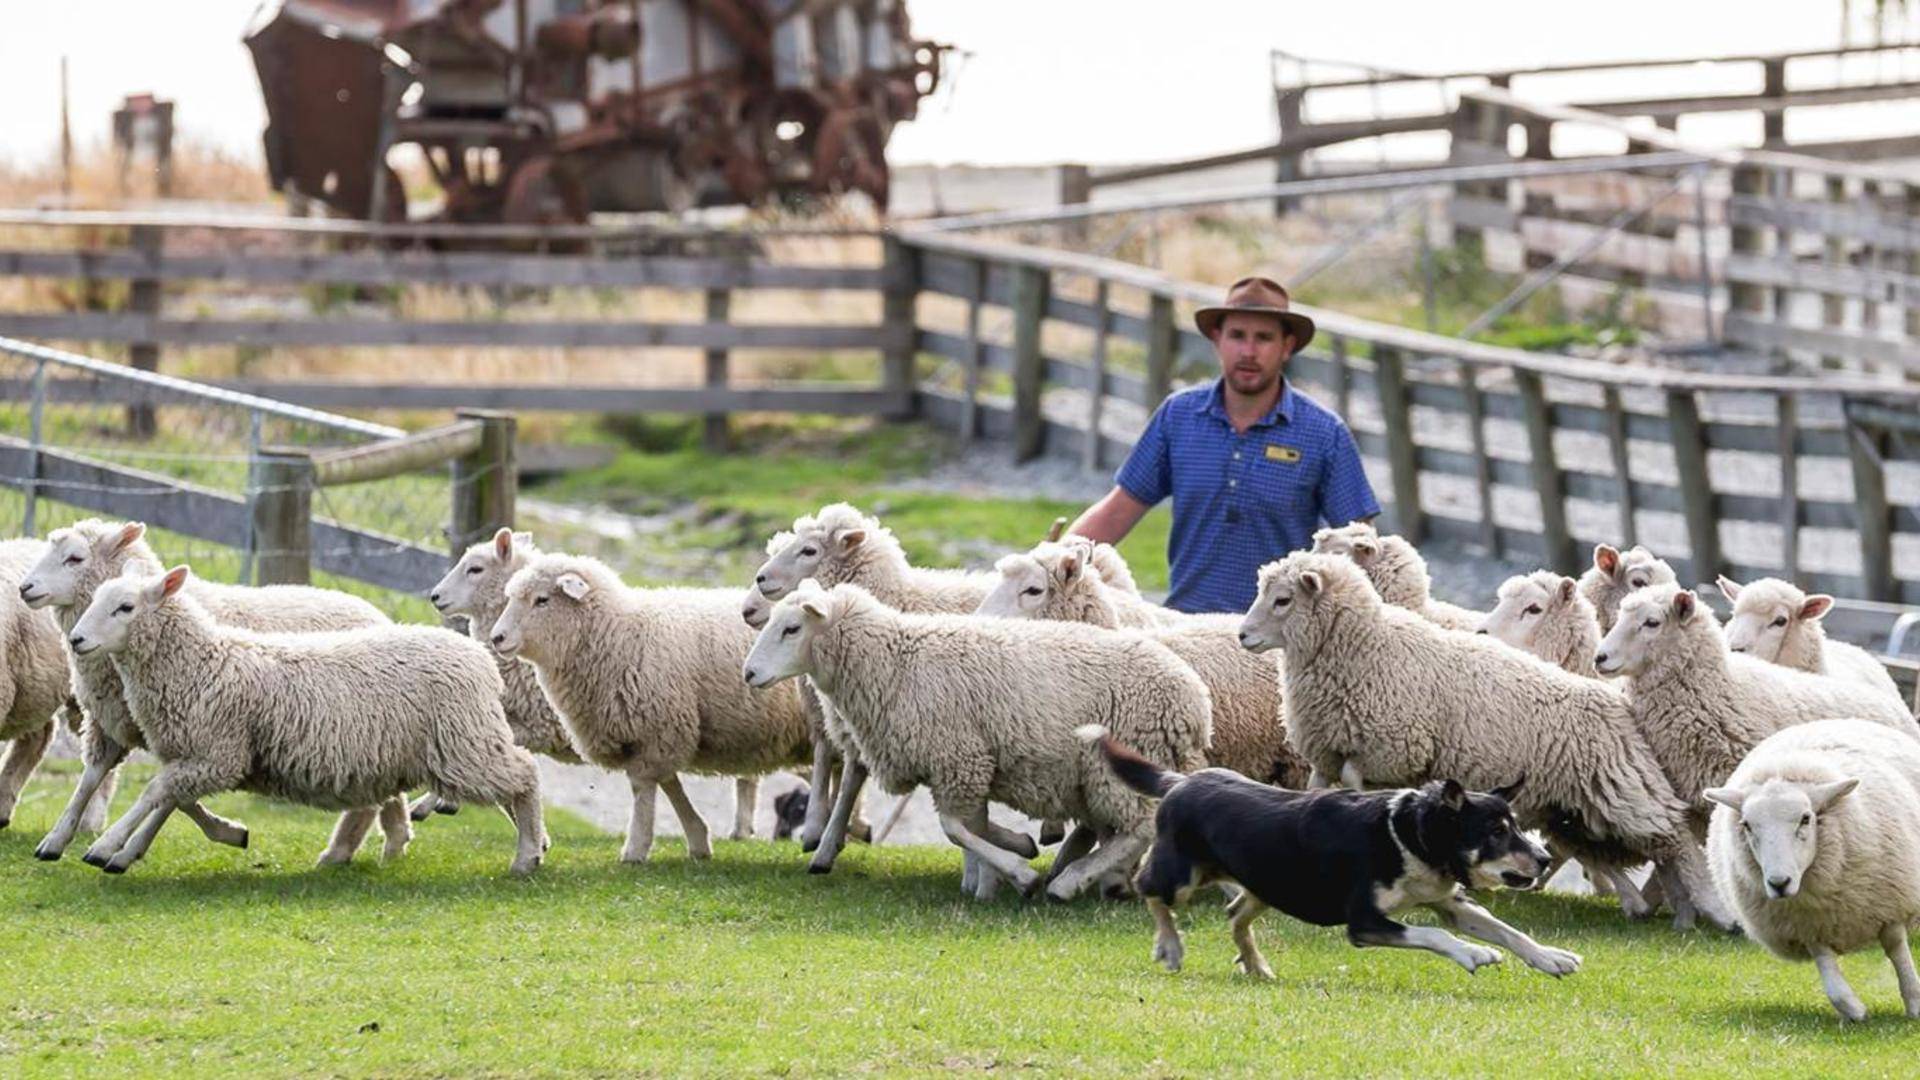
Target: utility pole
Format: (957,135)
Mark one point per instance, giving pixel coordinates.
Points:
(66,141)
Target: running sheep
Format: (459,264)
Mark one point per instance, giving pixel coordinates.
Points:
(1397,572)
(1376,695)
(87,554)
(1544,614)
(336,720)
(1616,573)
(1775,621)
(1816,839)
(1703,708)
(979,709)
(647,682)
(34,684)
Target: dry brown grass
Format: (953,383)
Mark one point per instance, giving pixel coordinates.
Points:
(201,171)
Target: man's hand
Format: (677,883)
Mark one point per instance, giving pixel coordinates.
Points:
(1110,519)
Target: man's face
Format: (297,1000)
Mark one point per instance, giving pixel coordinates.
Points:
(1253,352)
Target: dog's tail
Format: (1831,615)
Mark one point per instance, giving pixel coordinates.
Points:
(1133,770)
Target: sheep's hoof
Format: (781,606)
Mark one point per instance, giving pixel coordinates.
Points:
(94,860)
(245,838)
(523,868)
(1052,832)
(420,813)
(820,866)
(1027,849)
(115,866)
(447,808)
(47,854)
(5,821)
(808,846)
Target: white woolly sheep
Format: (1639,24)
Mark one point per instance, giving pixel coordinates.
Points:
(1056,582)
(1703,708)
(647,681)
(1378,695)
(33,676)
(980,709)
(1616,573)
(1397,571)
(1543,614)
(836,545)
(87,554)
(336,720)
(1775,621)
(1817,841)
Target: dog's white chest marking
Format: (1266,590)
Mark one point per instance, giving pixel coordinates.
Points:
(1418,883)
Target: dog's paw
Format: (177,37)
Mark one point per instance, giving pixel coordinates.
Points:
(1474,957)
(1168,953)
(1555,962)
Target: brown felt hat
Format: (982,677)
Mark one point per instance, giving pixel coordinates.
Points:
(1258,296)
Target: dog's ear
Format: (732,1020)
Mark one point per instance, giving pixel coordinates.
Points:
(1816,606)
(1453,795)
(1606,560)
(1507,793)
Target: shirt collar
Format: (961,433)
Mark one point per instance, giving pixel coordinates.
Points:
(1214,404)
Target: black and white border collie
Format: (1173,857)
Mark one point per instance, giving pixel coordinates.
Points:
(1334,857)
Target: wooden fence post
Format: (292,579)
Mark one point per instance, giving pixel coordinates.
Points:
(1396,413)
(1076,189)
(1286,163)
(486,483)
(898,314)
(1482,461)
(1029,366)
(1689,439)
(976,353)
(1866,452)
(1097,390)
(1911,300)
(1622,464)
(1773,121)
(1789,489)
(1163,348)
(714,435)
(280,483)
(143,298)
(1548,483)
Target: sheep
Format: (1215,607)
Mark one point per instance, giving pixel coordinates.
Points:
(1059,582)
(1616,573)
(980,709)
(87,554)
(1816,838)
(1397,572)
(1774,621)
(1378,695)
(840,544)
(646,682)
(338,720)
(1703,708)
(34,684)
(1544,614)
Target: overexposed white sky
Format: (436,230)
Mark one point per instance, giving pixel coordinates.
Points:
(1041,81)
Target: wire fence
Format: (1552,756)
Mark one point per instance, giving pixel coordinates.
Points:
(82,438)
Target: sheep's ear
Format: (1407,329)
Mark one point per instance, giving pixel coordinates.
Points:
(1310,583)
(1729,588)
(1320,538)
(1453,795)
(1364,551)
(169,583)
(852,538)
(1824,796)
(1684,605)
(1507,793)
(1069,569)
(575,586)
(1568,587)
(1816,606)
(815,609)
(1731,797)
(1606,559)
(503,544)
(129,534)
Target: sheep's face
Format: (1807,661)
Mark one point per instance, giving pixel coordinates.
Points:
(1767,614)
(118,605)
(73,561)
(1779,824)
(479,579)
(1286,589)
(1021,588)
(1650,621)
(1359,541)
(1526,604)
(800,559)
(758,605)
(543,605)
(784,648)
(1633,569)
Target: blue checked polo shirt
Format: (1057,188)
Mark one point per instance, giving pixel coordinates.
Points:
(1243,500)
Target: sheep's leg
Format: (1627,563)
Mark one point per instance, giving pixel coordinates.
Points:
(1654,892)
(852,778)
(993,858)
(1350,775)
(699,843)
(142,839)
(530,820)
(349,832)
(969,873)
(108,843)
(1116,853)
(1072,850)
(746,796)
(216,828)
(1632,902)
(1249,960)
(640,824)
(1845,1001)
(22,757)
(1316,779)
(820,800)
(1475,921)
(396,825)
(1893,938)
(429,804)
(177,784)
(1167,947)
(1052,831)
(987,884)
(94,817)
(1688,875)
(1017,842)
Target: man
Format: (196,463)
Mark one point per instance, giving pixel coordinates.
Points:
(1253,465)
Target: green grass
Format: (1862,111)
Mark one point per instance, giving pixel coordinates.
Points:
(210,961)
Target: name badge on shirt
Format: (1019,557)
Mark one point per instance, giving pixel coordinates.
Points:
(1286,454)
